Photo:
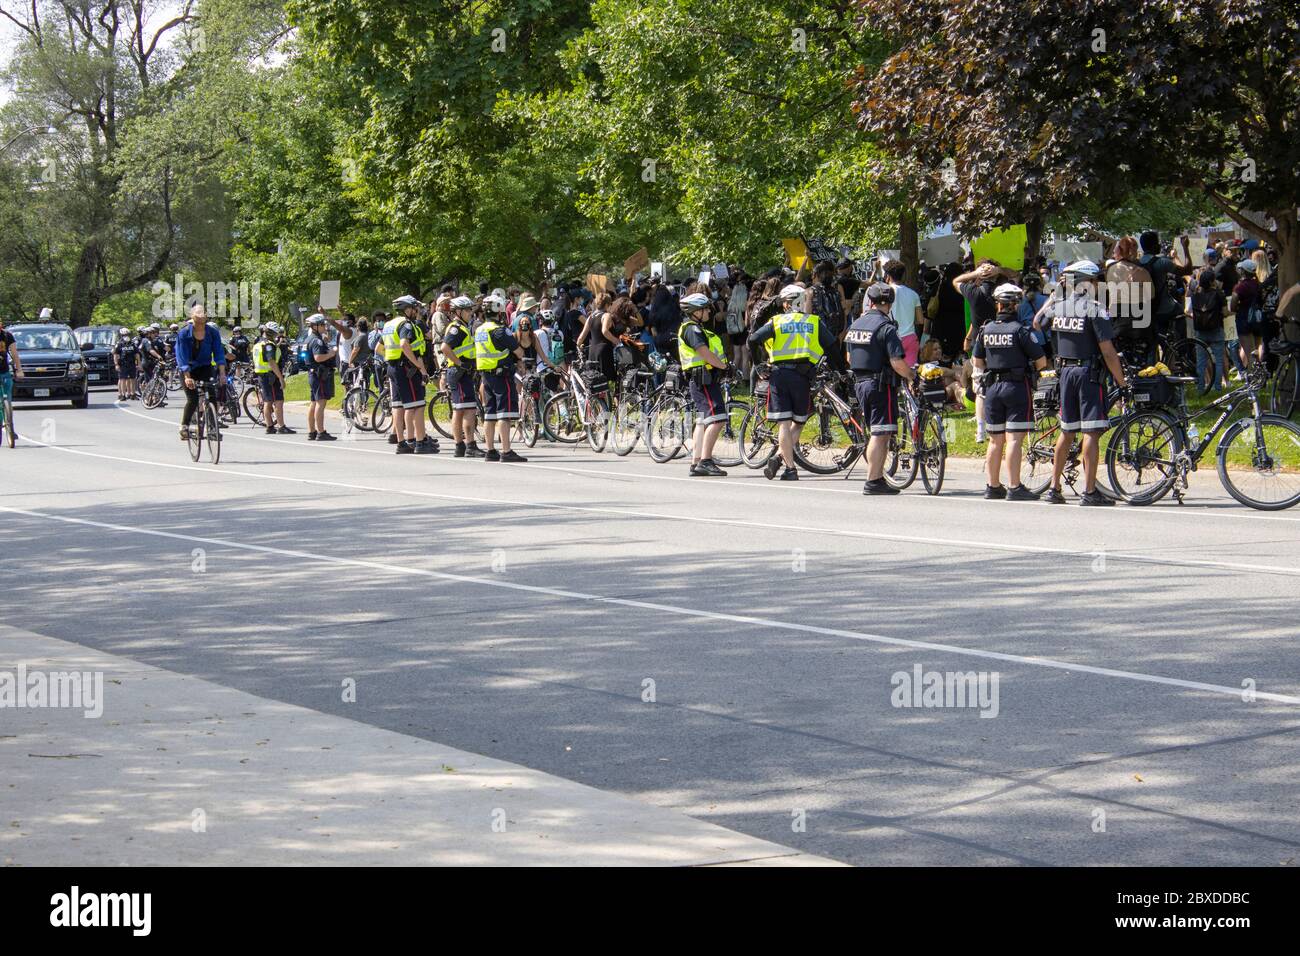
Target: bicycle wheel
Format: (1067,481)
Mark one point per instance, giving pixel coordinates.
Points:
(664,429)
(562,419)
(627,424)
(1284,397)
(900,461)
(154,392)
(196,431)
(364,401)
(758,441)
(596,419)
(252,402)
(11,434)
(381,416)
(528,428)
(1259,462)
(726,450)
(440,411)
(823,444)
(1140,457)
(1186,356)
(212,434)
(1036,470)
(931,452)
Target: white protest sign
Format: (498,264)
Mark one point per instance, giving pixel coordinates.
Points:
(329,294)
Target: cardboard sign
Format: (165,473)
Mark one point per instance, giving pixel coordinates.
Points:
(1006,247)
(820,251)
(597,283)
(796,251)
(1068,252)
(329,294)
(1196,247)
(887,255)
(720,271)
(941,250)
(635,263)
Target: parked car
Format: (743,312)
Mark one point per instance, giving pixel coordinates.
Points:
(97,343)
(53,366)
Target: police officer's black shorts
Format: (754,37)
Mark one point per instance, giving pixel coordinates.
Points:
(270,387)
(1083,401)
(789,397)
(1008,407)
(322,384)
(405,385)
(462,390)
(126,369)
(500,396)
(710,405)
(879,405)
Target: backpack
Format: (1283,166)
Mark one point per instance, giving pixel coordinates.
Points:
(1129,290)
(1207,311)
(736,309)
(556,351)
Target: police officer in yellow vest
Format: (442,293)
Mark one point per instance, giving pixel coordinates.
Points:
(270,379)
(404,349)
(460,351)
(795,344)
(495,351)
(703,358)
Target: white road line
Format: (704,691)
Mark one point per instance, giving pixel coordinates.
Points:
(705,519)
(762,622)
(1192,510)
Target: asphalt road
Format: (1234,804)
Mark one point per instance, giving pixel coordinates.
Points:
(518,611)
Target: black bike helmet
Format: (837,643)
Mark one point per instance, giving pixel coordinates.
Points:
(880,292)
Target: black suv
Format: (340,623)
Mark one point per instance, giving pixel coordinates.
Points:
(97,343)
(53,368)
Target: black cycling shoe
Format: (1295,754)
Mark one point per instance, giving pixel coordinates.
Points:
(326,436)
(285,430)
(994,492)
(1095,498)
(460,450)
(426,446)
(708,468)
(270,429)
(1053,496)
(790,474)
(311,436)
(392,438)
(878,486)
(514,457)
(492,455)
(772,467)
(405,448)
(473,451)
(1021,493)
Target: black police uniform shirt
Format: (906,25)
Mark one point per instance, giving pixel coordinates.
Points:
(1007,346)
(125,351)
(317,346)
(1080,323)
(872,340)
(239,346)
(6,340)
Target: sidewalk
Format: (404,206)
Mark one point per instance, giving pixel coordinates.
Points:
(276,784)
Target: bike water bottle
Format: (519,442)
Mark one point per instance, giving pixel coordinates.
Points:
(1193,434)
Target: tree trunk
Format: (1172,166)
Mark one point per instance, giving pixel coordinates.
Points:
(1033,239)
(909,243)
(1288,251)
(83,302)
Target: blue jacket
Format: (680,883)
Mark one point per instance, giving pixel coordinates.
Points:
(210,350)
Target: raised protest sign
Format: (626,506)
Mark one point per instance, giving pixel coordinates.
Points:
(1006,247)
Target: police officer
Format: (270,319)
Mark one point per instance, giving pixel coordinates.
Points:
(459,350)
(239,344)
(404,349)
(270,379)
(795,344)
(1085,349)
(151,354)
(495,352)
(125,354)
(703,358)
(1005,350)
(878,362)
(320,377)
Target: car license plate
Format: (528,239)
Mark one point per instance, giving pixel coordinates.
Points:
(93,376)
(41,393)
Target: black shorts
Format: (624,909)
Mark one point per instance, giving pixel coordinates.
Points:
(405,385)
(789,397)
(500,396)
(1008,407)
(126,369)
(710,406)
(322,384)
(463,392)
(879,405)
(271,388)
(1083,401)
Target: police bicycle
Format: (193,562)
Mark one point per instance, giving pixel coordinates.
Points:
(1284,389)
(832,439)
(920,445)
(635,402)
(205,427)
(580,410)
(1158,444)
(670,427)
(759,435)
(153,391)
(1040,447)
(358,399)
